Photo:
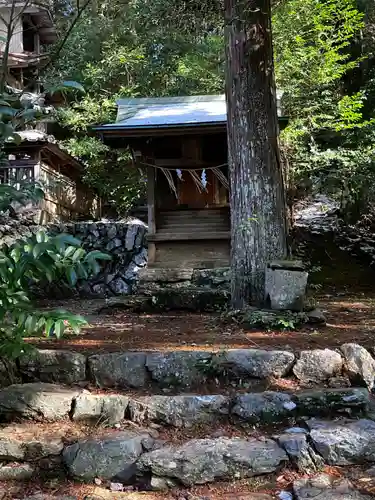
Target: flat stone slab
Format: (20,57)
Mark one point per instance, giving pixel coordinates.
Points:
(257,363)
(163,275)
(203,461)
(318,365)
(179,411)
(179,368)
(325,487)
(36,401)
(17,472)
(119,369)
(265,407)
(102,408)
(18,443)
(48,365)
(344,442)
(112,456)
(325,402)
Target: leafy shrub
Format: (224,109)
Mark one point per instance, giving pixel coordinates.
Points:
(37,259)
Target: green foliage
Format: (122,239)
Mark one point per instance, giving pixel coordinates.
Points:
(36,260)
(329,140)
(271,320)
(10,195)
(323,56)
(143,48)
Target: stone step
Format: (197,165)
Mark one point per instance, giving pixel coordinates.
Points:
(150,460)
(194,369)
(49,402)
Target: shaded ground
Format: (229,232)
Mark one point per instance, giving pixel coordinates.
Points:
(341,286)
(350,317)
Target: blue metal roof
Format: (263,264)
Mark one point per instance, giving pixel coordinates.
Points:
(168,112)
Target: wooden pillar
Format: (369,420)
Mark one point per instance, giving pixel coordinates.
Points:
(151,212)
(37,155)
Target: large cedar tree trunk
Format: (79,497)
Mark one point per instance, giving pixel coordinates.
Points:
(258,212)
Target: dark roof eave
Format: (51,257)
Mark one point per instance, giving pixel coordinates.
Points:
(116,130)
(139,129)
(63,155)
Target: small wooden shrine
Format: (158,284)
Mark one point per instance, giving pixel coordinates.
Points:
(181,142)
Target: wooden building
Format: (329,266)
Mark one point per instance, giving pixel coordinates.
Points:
(181,142)
(39,159)
(33,32)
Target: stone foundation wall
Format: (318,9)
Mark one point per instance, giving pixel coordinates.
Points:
(124,241)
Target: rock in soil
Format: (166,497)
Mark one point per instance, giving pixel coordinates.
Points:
(48,365)
(256,363)
(359,364)
(318,365)
(339,382)
(36,401)
(325,487)
(106,409)
(202,461)
(265,407)
(316,317)
(179,411)
(344,442)
(29,448)
(119,369)
(301,454)
(17,472)
(109,457)
(46,496)
(180,368)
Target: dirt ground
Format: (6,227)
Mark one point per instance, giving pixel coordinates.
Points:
(240,490)
(342,287)
(351,317)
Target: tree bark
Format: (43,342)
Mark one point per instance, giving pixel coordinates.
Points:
(257,197)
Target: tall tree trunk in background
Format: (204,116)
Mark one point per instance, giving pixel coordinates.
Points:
(257,199)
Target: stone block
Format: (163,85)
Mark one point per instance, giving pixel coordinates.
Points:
(177,368)
(257,363)
(301,454)
(318,365)
(17,472)
(119,369)
(106,409)
(344,442)
(325,487)
(36,401)
(359,365)
(203,461)
(285,289)
(179,411)
(332,401)
(48,365)
(107,457)
(265,407)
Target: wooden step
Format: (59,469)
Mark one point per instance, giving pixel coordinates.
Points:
(192,228)
(191,236)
